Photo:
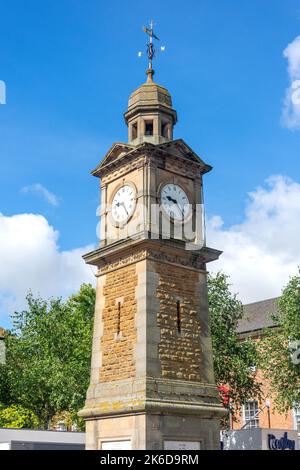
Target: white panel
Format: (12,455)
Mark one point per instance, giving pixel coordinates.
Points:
(116,445)
(4,446)
(182,445)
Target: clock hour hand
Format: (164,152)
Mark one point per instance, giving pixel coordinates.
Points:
(175,202)
(171,199)
(118,204)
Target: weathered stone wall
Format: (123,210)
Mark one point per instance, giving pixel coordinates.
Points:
(118,349)
(180,348)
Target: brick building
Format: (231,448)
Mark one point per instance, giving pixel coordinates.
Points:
(257,317)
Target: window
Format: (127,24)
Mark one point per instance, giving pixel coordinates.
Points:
(134,131)
(251,418)
(61,426)
(165,129)
(119,319)
(178,316)
(297,418)
(118,333)
(148,127)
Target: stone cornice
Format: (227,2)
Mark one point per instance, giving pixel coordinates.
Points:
(127,252)
(149,150)
(155,395)
(205,411)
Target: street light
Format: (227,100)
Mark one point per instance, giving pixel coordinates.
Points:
(268,406)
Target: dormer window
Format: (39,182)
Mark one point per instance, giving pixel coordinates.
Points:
(148,127)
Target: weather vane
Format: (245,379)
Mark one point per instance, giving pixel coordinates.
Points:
(151,51)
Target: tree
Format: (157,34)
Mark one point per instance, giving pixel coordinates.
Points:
(16,416)
(234,360)
(280,349)
(48,355)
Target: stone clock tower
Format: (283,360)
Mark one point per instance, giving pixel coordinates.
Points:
(152,381)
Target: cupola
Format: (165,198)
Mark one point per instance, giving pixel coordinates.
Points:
(150,116)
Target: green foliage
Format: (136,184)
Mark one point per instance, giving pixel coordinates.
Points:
(5,392)
(48,355)
(49,352)
(233,359)
(279,360)
(17,417)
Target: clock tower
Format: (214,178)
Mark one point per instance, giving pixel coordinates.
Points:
(152,380)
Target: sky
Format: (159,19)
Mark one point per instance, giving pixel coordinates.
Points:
(69,67)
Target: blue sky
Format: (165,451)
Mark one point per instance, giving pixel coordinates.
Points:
(70,65)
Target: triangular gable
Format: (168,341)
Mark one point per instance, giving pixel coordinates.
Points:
(177,148)
(180,149)
(115,152)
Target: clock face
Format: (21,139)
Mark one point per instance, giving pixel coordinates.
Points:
(123,204)
(175,202)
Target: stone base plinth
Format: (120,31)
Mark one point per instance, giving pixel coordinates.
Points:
(147,431)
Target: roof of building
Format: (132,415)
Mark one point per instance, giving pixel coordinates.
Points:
(150,93)
(258,316)
(31,435)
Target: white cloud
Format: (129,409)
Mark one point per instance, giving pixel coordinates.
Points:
(291,108)
(30,259)
(259,254)
(40,190)
(264,250)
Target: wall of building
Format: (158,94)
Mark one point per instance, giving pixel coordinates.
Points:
(277,420)
(179,349)
(119,329)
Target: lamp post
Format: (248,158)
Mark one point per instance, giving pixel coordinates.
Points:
(268,406)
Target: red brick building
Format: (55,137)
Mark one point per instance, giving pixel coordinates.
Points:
(257,317)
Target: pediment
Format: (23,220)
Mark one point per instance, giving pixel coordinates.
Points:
(178,148)
(175,148)
(116,152)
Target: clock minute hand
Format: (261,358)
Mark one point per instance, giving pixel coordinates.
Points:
(180,209)
(122,204)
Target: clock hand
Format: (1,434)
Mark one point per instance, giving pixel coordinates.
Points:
(118,204)
(180,209)
(175,202)
(122,203)
(171,199)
